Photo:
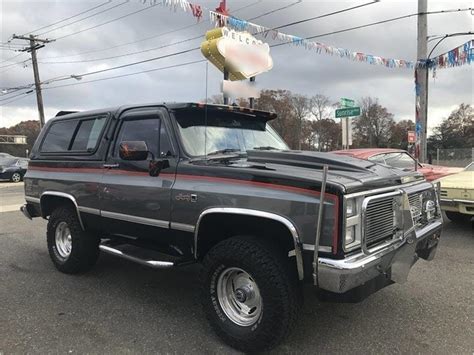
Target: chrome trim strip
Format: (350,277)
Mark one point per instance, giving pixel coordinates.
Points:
(136,219)
(248,212)
(151,263)
(89,210)
(382,189)
(182,227)
(64,195)
(32,199)
(469,202)
(310,247)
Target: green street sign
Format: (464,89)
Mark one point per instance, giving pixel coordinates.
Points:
(348,112)
(347,102)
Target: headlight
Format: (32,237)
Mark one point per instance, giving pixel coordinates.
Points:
(351,209)
(352,224)
(350,235)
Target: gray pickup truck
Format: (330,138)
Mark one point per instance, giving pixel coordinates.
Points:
(166,185)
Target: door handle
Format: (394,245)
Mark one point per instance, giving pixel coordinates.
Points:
(110,166)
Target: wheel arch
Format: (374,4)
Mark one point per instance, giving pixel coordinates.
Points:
(244,220)
(50,200)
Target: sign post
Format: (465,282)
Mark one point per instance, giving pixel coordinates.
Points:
(348,110)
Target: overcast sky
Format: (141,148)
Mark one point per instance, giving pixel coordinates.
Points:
(295,69)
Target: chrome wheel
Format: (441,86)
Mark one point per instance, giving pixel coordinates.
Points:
(239,297)
(16,177)
(63,240)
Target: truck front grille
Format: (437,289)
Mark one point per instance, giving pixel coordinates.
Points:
(379,220)
(416,207)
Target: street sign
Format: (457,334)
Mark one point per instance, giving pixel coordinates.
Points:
(348,112)
(346,103)
(411,136)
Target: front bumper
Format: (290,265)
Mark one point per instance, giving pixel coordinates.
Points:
(458,205)
(394,261)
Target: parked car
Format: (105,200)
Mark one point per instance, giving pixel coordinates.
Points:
(6,155)
(457,195)
(401,159)
(13,169)
(167,185)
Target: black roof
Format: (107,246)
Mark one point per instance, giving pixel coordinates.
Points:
(170,106)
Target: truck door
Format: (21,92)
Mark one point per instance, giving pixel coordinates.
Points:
(134,203)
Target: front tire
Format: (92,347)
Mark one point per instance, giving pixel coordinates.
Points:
(71,249)
(249,294)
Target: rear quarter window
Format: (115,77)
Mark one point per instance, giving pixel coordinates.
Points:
(79,135)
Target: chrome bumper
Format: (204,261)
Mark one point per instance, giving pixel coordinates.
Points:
(395,260)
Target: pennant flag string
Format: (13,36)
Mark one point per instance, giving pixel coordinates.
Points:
(459,56)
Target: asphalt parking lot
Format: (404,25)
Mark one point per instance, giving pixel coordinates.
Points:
(121,307)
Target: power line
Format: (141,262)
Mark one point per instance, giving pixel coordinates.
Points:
(381,22)
(107,22)
(25,94)
(85,18)
(9,59)
(276,10)
(150,37)
(68,18)
(156,58)
(126,54)
(12,64)
(326,15)
(128,74)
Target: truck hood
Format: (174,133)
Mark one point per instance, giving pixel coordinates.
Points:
(345,173)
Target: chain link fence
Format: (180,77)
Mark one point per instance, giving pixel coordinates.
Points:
(454,157)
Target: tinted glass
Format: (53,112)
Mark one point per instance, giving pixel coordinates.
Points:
(219,131)
(85,134)
(59,136)
(140,130)
(88,134)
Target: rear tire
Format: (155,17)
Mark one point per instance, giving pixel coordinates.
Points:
(457,217)
(71,249)
(258,277)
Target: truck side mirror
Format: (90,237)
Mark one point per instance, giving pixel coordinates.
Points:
(133,150)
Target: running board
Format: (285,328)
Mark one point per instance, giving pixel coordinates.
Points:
(155,264)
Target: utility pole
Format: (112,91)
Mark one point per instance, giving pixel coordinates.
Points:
(422,81)
(35,44)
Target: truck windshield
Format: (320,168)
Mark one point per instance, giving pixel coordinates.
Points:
(225,132)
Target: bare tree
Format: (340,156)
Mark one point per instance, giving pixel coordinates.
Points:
(320,107)
(301,108)
(374,126)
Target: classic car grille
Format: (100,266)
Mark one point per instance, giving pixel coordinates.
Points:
(379,220)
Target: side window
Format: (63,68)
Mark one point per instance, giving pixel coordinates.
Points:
(88,133)
(145,129)
(59,136)
(73,135)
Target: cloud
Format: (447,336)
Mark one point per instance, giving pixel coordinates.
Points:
(295,69)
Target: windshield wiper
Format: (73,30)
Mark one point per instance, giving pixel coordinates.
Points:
(225,151)
(265,148)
